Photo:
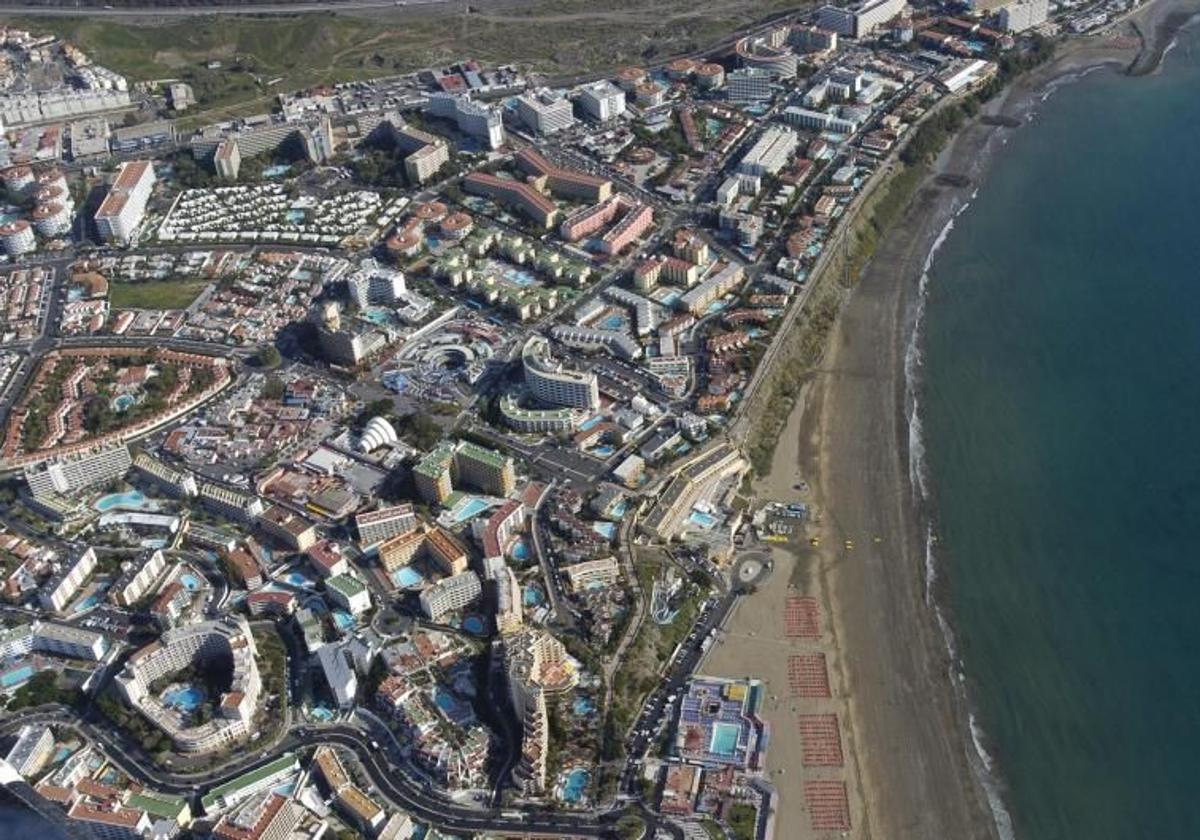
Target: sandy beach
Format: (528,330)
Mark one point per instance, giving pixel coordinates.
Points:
(911,767)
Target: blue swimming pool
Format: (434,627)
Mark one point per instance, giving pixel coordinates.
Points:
(322,714)
(295,217)
(583,706)
(406,577)
(343,619)
(298,578)
(133,500)
(189,581)
(87,603)
(705,520)
(473,624)
(521,550)
(277,170)
(603,450)
(608,530)
(518,277)
(724,739)
(185,698)
(470,509)
(533,596)
(123,402)
(618,510)
(590,423)
(18,676)
(575,785)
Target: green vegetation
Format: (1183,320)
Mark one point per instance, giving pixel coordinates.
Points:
(41,689)
(261,56)
(268,357)
(653,644)
(714,831)
(742,820)
(177,293)
(630,827)
(804,344)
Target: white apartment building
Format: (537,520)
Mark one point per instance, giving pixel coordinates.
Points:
(374,284)
(602,572)
(450,594)
(602,101)
(770,153)
(473,118)
(343,682)
(379,525)
(748,84)
(76,473)
(235,506)
(1023,14)
(69,641)
(61,588)
(135,582)
(552,383)
(34,746)
(349,593)
(545,112)
(177,483)
(225,639)
(125,205)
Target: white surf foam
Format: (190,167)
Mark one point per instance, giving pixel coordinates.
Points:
(918,477)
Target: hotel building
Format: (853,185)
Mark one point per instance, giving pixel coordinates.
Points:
(378,525)
(136,581)
(125,205)
(545,112)
(450,594)
(516,194)
(57,592)
(222,640)
(473,118)
(176,483)
(602,100)
(537,665)
(78,472)
(552,383)
(349,593)
(485,469)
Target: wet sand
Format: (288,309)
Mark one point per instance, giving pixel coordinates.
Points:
(911,768)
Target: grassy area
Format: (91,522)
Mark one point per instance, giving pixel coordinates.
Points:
(155,294)
(743,819)
(261,56)
(654,643)
(804,345)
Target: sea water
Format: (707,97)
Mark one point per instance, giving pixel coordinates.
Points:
(1059,407)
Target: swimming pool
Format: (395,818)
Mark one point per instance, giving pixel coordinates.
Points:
(705,520)
(473,624)
(133,500)
(123,402)
(533,597)
(295,217)
(470,509)
(322,714)
(189,581)
(724,739)
(615,322)
(343,619)
(16,677)
(604,450)
(277,170)
(590,423)
(298,578)
(184,698)
(583,706)
(575,785)
(406,577)
(521,550)
(618,510)
(87,603)
(518,277)
(608,530)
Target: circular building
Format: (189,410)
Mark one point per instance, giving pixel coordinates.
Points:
(404,243)
(628,78)
(650,94)
(17,178)
(680,69)
(378,432)
(710,76)
(206,646)
(457,225)
(17,238)
(51,219)
(431,211)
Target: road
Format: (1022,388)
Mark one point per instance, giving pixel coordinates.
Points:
(382,766)
(153,10)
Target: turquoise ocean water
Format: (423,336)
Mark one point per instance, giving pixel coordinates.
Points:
(1059,397)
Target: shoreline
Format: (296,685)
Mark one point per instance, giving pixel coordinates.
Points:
(916,756)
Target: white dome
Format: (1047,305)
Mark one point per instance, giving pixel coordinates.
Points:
(376,434)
